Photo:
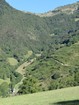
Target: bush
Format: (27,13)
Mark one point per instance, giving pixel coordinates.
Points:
(4,89)
(29,86)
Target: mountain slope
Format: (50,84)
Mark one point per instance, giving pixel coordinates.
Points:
(55,70)
(18,27)
(24,36)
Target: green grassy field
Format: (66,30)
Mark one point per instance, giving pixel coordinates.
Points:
(7,80)
(43,98)
(12,61)
(28,54)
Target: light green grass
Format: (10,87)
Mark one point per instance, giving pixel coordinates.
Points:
(7,80)
(18,84)
(76,19)
(68,56)
(28,54)
(22,67)
(43,98)
(12,61)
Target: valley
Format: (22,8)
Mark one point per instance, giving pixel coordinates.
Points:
(39,52)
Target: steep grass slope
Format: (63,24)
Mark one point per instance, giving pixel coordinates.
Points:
(43,98)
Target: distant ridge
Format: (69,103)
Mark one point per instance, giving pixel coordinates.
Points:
(69,9)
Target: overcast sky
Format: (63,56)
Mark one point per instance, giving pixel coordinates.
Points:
(38,6)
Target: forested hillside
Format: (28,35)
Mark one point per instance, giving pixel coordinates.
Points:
(47,43)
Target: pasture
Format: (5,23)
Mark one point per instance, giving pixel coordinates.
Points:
(43,98)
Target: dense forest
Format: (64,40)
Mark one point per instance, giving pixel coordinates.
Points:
(38,52)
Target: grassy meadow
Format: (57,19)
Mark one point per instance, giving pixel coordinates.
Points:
(7,80)
(43,98)
(12,61)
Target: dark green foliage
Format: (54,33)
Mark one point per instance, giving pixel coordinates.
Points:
(18,77)
(14,79)
(12,84)
(53,85)
(4,89)
(30,85)
(55,75)
(76,77)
